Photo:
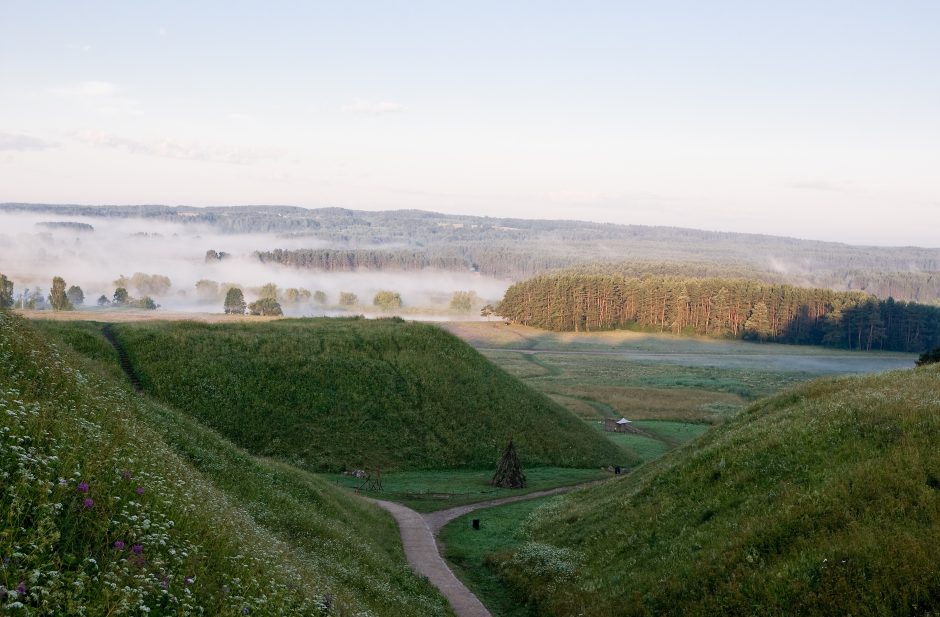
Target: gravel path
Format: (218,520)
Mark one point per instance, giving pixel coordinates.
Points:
(419,538)
(425,559)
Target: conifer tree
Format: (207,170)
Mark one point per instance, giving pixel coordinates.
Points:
(509,472)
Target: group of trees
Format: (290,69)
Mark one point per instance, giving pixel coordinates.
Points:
(145,284)
(235,304)
(732,308)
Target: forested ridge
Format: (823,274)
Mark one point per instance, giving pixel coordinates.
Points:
(729,308)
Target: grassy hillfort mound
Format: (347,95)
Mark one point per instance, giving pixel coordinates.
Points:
(823,500)
(114,504)
(334,394)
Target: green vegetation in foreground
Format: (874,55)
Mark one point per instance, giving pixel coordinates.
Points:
(427,491)
(824,500)
(332,394)
(112,504)
(469,552)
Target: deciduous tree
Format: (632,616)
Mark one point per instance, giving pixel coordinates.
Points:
(57,296)
(234,302)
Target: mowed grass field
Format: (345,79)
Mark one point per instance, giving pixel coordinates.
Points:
(427,491)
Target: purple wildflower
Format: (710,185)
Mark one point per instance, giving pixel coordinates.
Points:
(126,475)
(82,487)
(165,582)
(139,490)
(188,580)
(21,588)
(137,549)
(245,611)
(88,503)
(119,545)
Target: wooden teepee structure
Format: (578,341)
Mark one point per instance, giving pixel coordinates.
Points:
(509,470)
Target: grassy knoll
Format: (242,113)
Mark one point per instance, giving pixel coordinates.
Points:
(427,491)
(822,500)
(112,504)
(332,394)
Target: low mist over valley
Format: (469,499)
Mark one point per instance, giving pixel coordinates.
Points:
(167,260)
(425,257)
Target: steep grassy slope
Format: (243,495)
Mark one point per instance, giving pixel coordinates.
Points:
(111,504)
(329,394)
(821,501)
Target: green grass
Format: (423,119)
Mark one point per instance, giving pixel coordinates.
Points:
(647,448)
(334,394)
(427,491)
(469,553)
(219,531)
(674,433)
(823,500)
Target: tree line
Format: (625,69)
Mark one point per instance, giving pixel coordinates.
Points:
(724,308)
(333,260)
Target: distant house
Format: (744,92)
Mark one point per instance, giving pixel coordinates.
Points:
(619,426)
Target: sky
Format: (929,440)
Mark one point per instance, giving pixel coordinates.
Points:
(808,119)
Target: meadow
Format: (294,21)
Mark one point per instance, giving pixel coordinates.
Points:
(427,491)
(663,383)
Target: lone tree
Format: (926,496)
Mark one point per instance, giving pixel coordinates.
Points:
(509,472)
(121,296)
(57,297)
(234,302)
(75,295)
(6,292)
(347,298)
(103,300)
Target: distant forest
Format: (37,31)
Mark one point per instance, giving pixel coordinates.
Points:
(729,308)
(518,249)
(332,260)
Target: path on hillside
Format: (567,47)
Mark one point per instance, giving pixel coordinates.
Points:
(419,538)
(125,362)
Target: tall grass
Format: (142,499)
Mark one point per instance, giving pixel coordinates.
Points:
(100,514)
(824,500)
(330,394)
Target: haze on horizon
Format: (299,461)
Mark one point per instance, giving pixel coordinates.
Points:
(805,119)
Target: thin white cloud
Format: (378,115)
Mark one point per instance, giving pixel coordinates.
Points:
(103,97)
(16,142)
(380,108)
(174,148)
(817,184)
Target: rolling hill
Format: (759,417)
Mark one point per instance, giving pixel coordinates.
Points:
(824,500)
(335,394)
(114,504)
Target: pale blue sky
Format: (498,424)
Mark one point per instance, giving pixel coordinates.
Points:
(812,119)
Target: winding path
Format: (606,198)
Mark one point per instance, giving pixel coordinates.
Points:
(419,538)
